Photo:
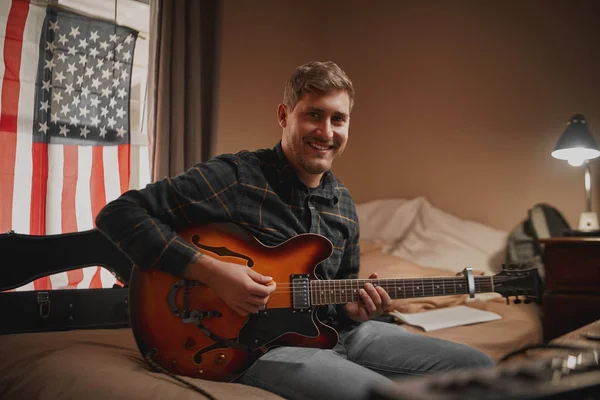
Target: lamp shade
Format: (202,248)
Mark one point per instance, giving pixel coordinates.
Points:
(576,144)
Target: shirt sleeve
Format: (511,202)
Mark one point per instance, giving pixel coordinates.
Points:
(143,223)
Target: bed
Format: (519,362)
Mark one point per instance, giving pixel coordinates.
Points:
(399,238)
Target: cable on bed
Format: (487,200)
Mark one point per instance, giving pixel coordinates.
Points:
(158,368)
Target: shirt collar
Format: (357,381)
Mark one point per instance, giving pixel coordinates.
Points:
(286,172)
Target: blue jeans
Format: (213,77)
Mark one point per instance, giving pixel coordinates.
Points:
(365,356)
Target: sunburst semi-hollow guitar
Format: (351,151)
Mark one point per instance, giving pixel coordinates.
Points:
(184,327)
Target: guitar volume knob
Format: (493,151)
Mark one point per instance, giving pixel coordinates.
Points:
(220,359)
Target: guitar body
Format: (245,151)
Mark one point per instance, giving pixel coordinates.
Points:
(184,327)
(191,344)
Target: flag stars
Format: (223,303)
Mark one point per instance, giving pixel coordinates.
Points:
(64,109)
(60,77)
(83,112)
(96,83)
(80,96)
(43,127)
(74,32)
(49,64)
(85,92)
(106,73)
(69,88)
(62,38)
(74,120)
(46,85)
(50,46)
(44,105)
(56,96)
(71,68)
(120,112)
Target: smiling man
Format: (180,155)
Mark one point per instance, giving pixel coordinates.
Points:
(315,131)
(276,194)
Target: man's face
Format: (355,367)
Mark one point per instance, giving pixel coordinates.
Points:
(315,132)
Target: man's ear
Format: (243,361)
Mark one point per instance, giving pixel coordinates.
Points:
(282,115)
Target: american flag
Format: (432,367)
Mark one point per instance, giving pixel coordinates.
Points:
(64,125)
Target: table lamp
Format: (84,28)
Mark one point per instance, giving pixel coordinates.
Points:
(577,146)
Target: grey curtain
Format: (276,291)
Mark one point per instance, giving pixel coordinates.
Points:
(182,83)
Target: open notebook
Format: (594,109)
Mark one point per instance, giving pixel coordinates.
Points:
(445,317)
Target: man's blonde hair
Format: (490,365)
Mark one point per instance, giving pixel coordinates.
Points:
(316,77)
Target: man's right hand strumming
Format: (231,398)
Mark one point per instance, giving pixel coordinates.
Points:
(241,288)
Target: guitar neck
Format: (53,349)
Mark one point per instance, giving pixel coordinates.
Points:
(341,291)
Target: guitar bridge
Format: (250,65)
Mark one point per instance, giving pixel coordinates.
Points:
(187,315)
(300,292)
(195,316)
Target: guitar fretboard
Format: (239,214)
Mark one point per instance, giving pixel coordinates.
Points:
(341,291)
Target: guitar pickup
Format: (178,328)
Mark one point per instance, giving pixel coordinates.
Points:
(300,292)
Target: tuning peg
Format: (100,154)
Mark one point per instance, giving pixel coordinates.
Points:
(517,300)
(527,300)
(507,301)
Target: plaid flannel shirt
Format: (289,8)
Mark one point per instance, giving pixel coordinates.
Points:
(258,191)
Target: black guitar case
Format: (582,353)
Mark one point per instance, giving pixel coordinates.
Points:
(28,257)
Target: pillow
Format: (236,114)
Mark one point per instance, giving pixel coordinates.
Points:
(425,235)
(386,221)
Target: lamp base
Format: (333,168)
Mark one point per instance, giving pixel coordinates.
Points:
(588,221)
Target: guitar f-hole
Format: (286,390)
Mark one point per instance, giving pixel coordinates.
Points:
(222,251)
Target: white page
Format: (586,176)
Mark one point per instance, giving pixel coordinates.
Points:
(446,317)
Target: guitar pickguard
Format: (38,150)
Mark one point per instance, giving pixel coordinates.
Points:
(264,327)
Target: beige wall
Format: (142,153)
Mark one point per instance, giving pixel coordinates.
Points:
(458,101)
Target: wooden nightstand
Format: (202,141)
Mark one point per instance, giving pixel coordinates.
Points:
(572,292)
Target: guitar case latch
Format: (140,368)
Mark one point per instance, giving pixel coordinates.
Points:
(43,300)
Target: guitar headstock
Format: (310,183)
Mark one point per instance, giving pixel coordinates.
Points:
(521,281)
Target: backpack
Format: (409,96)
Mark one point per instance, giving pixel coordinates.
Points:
(543,221)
